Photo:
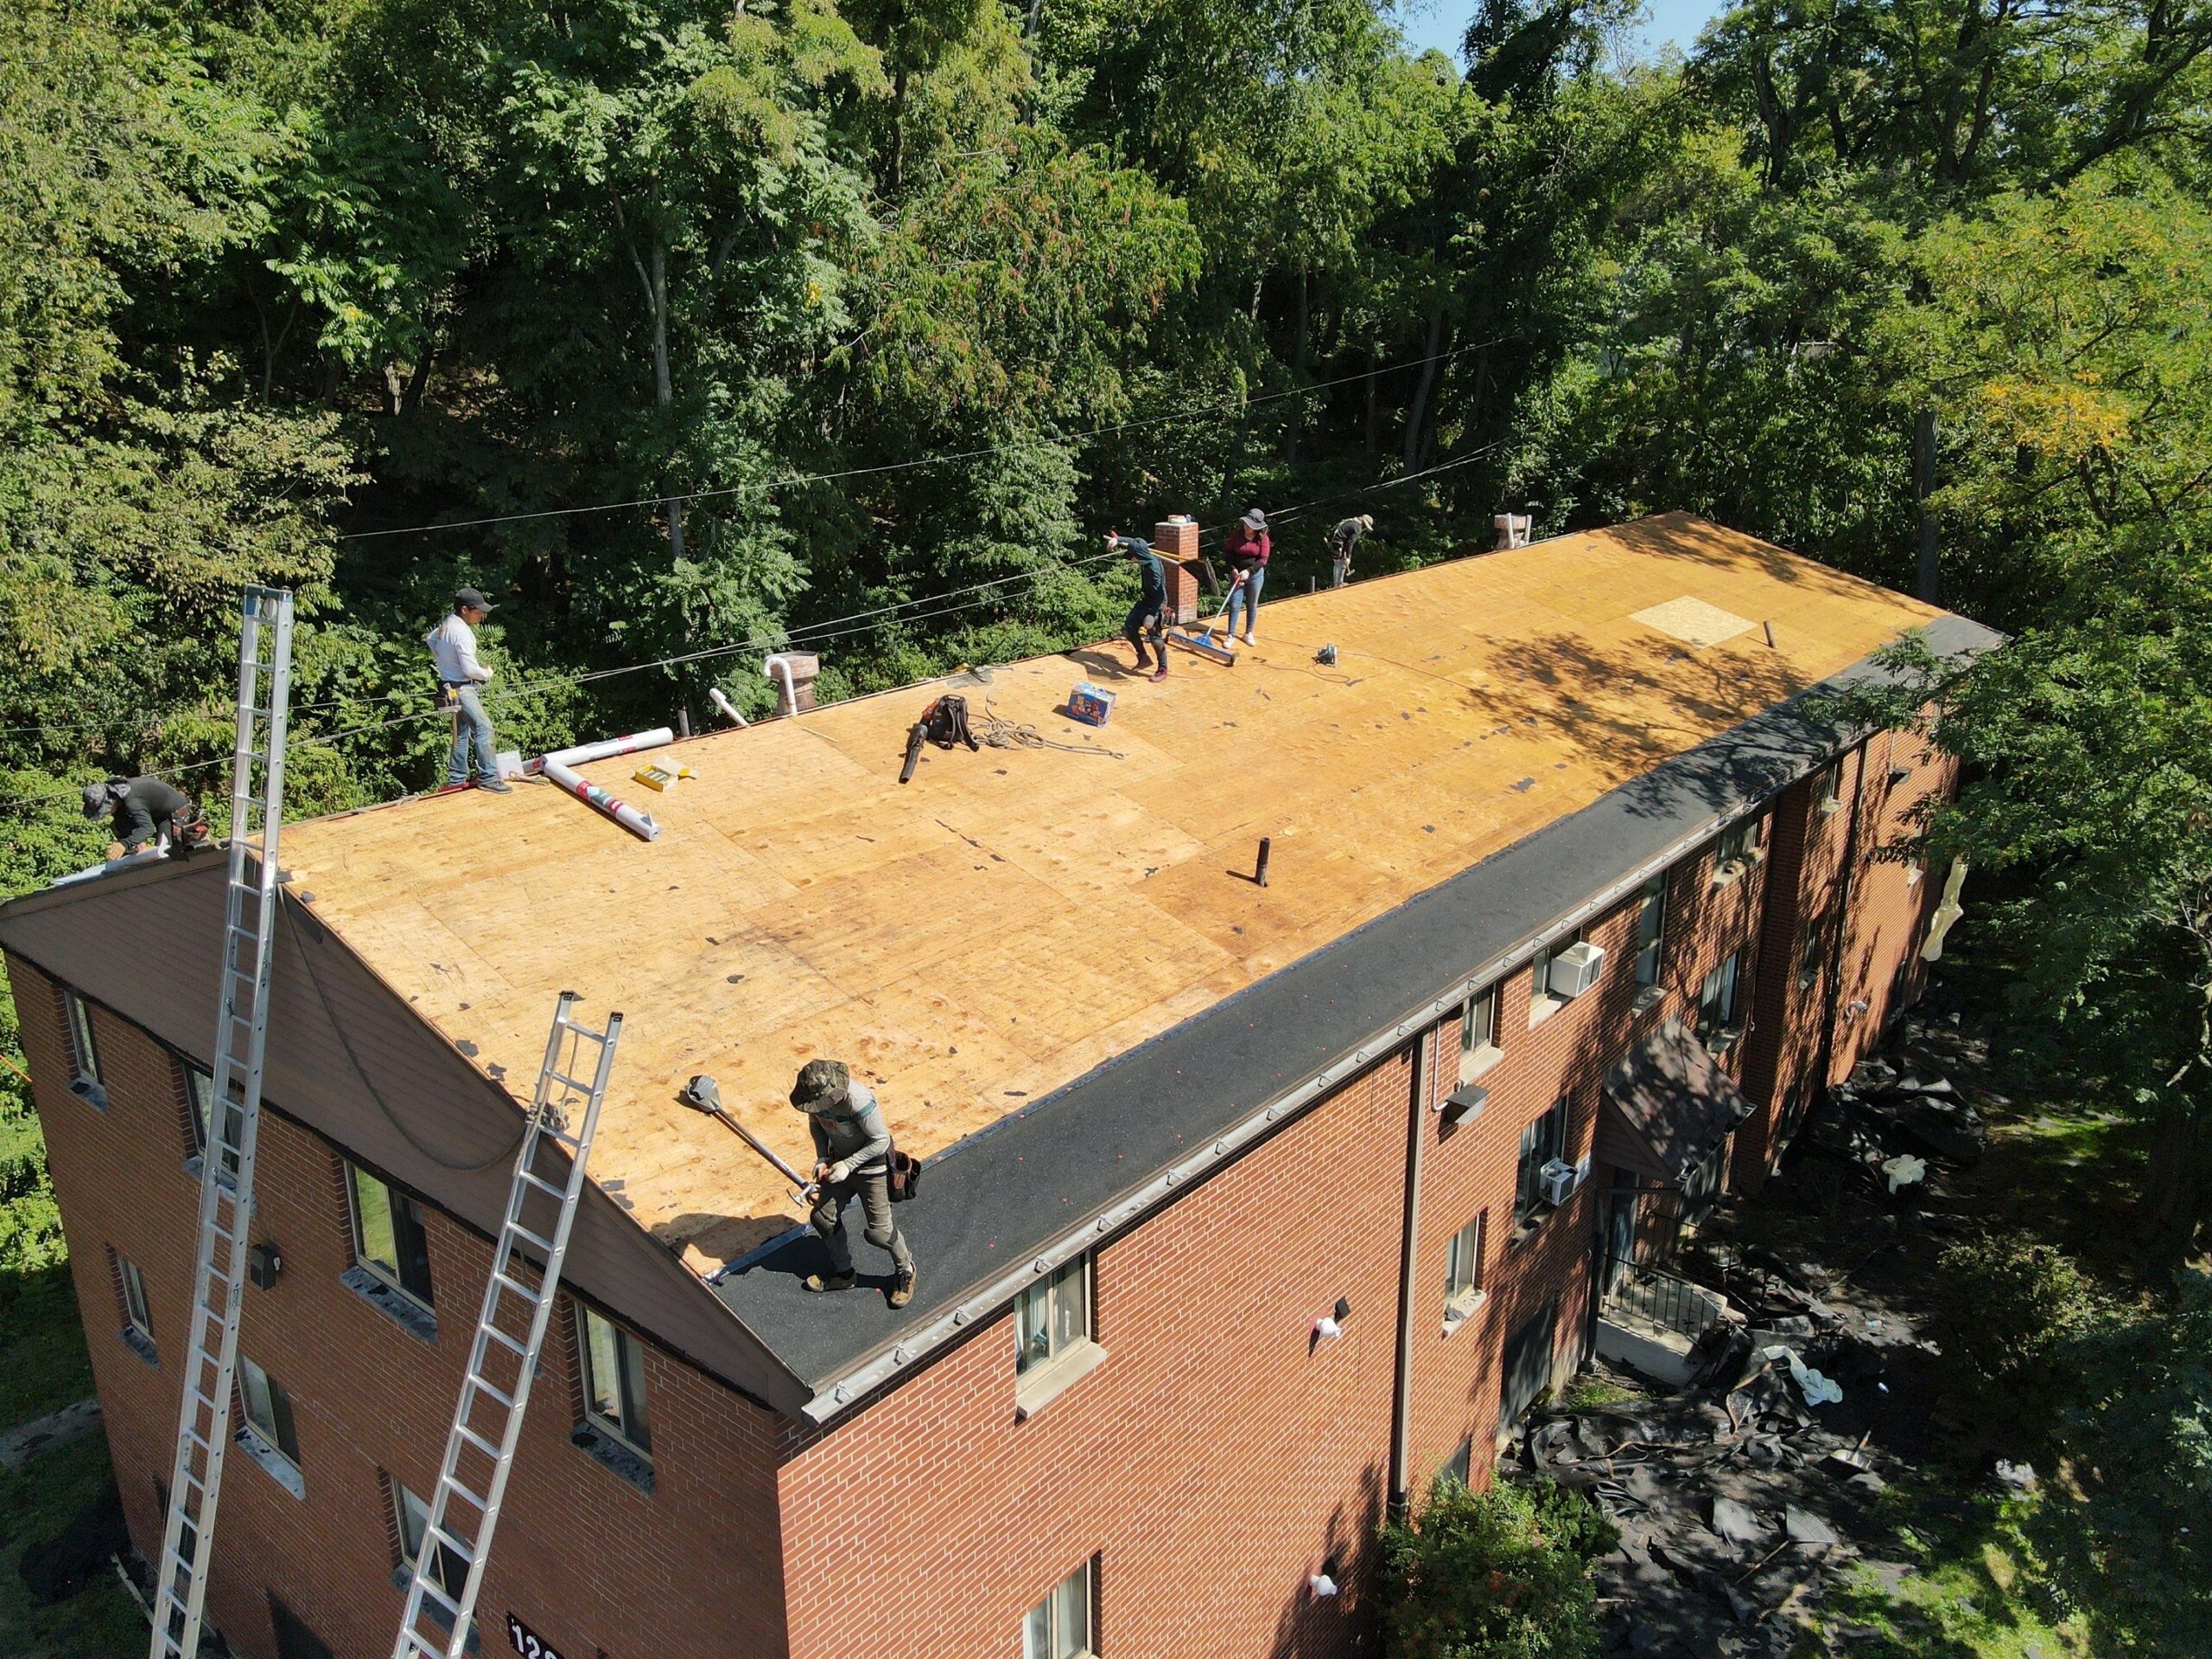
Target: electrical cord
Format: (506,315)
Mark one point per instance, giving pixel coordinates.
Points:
(995,731)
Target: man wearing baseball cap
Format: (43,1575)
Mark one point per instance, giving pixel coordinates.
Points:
(453,648)
(852,1149)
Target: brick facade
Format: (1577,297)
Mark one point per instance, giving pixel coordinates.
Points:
(1219,1456)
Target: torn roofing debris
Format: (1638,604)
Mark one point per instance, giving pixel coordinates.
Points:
(1056,962)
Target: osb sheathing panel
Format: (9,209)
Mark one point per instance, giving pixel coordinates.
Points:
(1012,918)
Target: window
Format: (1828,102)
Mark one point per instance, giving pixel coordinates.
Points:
(1736,847)
(1463,1271)
(1456,1465)
(448,1570)
(1478,1047)
(135,1313)
(1651,930)
(198,1100)
(388,1236)
(1051,1318)
(1541,1000)
(268,1410)
(1716,999)
(615,1380)
(84,1053)
(1541,1143)
(1058,1627)
(1827,786)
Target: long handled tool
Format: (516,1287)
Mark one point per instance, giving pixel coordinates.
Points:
(702,1095)
(1203,644)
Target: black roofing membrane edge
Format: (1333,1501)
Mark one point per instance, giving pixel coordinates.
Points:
(993,1197)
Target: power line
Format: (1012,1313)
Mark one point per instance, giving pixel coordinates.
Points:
(938,458)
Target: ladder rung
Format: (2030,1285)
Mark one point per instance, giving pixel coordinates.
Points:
(437,1595)
(479,1442)
(465,1550)
(482,1386)
(505,1340)
(547,1187)
(460,1491)
(525,1292)
(576,1084)
(523,1232)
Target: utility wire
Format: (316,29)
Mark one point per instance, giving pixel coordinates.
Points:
(939,459)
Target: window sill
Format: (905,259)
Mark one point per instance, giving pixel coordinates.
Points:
(403,1310)
(1529,1226)
(1731,872)
(279,1467)
(90,1092)
(1035,1392)
(1541,1008)
(142,1345)
(1831,806)
(1647,999)
(1457,1314)
(626,1461)
(403,1580)
(1473,1062)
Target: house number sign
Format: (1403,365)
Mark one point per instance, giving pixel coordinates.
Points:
(526,1642)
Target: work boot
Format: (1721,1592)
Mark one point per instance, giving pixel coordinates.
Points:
(1161,673)
(1144,661)
(902,1288)
(496,786)
(829,1281)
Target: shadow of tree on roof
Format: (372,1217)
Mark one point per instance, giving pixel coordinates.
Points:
(1630,720)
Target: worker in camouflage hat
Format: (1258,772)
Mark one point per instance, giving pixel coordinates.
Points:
(852,1149)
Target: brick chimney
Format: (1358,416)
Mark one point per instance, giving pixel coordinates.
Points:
(1176,541)
(1512,530)
(804,668)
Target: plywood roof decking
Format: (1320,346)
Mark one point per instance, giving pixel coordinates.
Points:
(1013,918)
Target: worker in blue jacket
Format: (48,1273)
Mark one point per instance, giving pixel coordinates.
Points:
(1148,616)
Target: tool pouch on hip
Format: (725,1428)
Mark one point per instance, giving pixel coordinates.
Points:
(906,1174)
(449,698)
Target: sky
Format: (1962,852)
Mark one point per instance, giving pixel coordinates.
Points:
(1444,21)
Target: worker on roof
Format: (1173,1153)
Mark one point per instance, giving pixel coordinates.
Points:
(453,648)
(852,1149)
(1247,550)
(142,810)
(1149,614)
(1344,537)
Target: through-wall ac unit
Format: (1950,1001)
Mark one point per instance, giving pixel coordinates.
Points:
(1559,1179)
(1575,969)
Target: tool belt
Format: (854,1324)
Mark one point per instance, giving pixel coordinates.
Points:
(905,1171)
(448,696)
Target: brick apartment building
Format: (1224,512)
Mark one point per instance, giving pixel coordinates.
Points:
(1176,1118)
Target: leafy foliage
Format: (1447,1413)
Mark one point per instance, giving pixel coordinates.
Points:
(1503,1573)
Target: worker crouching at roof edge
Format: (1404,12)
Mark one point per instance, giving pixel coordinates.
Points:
(145,809)
(852,1149)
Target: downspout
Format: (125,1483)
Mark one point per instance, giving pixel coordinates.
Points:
(1826,1061)
(1402,1398)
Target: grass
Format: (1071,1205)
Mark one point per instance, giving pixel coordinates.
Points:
(43,1367)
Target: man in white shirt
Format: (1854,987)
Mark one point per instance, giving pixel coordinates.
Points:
(453,648)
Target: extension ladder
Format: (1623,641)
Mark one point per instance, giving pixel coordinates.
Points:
(510,1297)
(251,901)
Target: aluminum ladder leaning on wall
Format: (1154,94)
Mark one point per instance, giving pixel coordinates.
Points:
(251,901)
(487,1421)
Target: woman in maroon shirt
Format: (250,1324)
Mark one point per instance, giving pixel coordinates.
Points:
(1247,550)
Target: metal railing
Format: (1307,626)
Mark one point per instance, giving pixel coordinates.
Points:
(1660,1297)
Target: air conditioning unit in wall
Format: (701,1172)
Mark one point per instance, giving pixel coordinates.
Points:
(1575,969)
(1559,1179)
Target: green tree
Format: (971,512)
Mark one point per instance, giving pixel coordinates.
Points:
(1503,1573)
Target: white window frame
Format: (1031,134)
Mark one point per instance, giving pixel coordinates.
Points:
(1463,1270)
(1479,1045)
(1528,1213)
(199,1101)
(1651,903)
(1059,1626)
(260,1393)
(633,1428)
(137,1314)
(1737,848)
(1723,990)
(83,1047)
(444,1562)
(1062,1306)
(395,1274)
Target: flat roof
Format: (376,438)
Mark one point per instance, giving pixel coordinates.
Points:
(1013,921)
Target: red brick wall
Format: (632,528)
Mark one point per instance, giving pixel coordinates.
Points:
(1214,1461)
(587,1560)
